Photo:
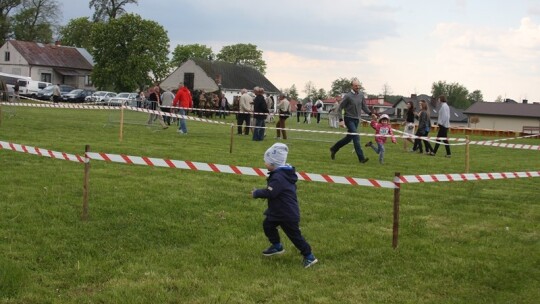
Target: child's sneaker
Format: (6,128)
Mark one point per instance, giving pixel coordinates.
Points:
(369,144)
(273,250)
(309,261)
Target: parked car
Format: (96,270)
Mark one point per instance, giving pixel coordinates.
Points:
(123,99)
(46,94)
(77,95)
(102,97)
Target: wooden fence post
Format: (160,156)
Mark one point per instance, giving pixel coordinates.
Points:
(467,155)
(395,228)
(232,138)
(121,122)
(85,184)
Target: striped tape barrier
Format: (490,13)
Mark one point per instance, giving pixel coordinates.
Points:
(217,168)
(434,178)
(40,152)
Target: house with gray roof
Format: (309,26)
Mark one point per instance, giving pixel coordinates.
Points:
(201,74)
(511,116)
(457,117)
(47,62)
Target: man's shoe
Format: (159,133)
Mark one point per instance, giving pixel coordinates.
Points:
(448,156)
(332,154)
(310,261)
(363,161)
(369,144)
(272,250)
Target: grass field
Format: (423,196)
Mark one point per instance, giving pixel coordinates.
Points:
(159,235)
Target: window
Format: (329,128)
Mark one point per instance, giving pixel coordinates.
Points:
(189,80)
(87,80)
(6,56)
(46,77)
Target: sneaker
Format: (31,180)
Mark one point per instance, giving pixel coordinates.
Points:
(363,161)
(369,144)
(180,131)
(448,156)
(431,154)
(332,154)
(310,261)
(272,250)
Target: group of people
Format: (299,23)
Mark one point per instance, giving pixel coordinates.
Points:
(175,101)
(347,114)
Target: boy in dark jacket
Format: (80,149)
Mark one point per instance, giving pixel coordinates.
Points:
(283,208)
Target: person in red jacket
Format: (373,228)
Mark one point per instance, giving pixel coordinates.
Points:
(182,100)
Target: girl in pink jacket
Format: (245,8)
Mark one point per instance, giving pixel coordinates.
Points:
(382,130)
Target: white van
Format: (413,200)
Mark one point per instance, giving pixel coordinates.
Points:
(31,87)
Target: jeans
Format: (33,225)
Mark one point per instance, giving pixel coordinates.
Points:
(258,133)
(182,126)
(291,229)
(379,150)
(352,126)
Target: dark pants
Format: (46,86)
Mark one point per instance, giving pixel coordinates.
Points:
(443,133)
(352,126)
(418,142)
(298,114)
(243,117)
(258,132)
(318,117)
(281,124)
(291,229)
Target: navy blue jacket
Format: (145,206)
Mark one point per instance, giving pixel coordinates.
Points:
(281,195)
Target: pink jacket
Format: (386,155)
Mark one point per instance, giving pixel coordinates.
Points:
(382,129)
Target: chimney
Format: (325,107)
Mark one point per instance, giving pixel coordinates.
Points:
(413,96)
(525,101)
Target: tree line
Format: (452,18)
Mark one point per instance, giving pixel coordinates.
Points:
(125,60)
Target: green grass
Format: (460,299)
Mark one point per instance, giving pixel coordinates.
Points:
(159,235)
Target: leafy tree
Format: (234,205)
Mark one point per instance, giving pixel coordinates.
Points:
(129,52)
(455,93)
(182,53)
(475,96)
(291,92)
(77,33)
(499,99)
(321,94)
(245,54)
(109,9)
(6,6)
(36,20)
(342,85)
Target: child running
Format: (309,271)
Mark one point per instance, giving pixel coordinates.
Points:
(283,207)
(382,130)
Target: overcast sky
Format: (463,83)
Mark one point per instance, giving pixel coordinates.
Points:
(487,45)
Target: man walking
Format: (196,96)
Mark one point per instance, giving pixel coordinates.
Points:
(184,101)
(353,103)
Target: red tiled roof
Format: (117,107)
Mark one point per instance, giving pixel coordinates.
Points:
(51,55)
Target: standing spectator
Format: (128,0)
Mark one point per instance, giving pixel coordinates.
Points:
(155,101)
(409,125)
(141,100)
(284,112)
(382,129)
(56,93)
(353,103)
(333,119)
(283,210)
(166,104)
(271,108)
(183,101)
(444,124)
(245,108)
(424,124)
(299,108)
(308,108)
(319,107)
(259,108)
(223,105)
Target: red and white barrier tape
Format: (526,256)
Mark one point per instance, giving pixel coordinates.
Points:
(60,105)
(40,152)
(216,168)
(433,178)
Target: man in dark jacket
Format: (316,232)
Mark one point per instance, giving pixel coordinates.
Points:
(259,106)
(283,207)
